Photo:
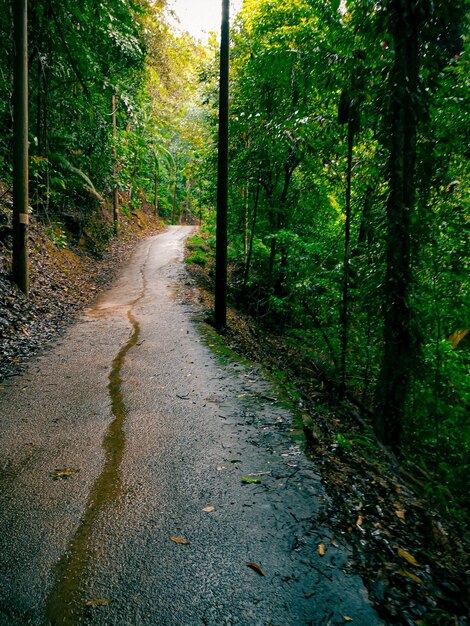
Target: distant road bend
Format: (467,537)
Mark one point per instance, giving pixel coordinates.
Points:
(122,502)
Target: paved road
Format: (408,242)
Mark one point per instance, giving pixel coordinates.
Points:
(145,428)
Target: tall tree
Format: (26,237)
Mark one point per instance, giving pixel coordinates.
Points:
(399,340)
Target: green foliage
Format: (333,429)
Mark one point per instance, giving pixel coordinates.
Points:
(58,235)
(201,247)
(301,72)
(198,257)
(83,54)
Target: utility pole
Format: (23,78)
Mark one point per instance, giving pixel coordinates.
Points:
(222,175)
(20,146)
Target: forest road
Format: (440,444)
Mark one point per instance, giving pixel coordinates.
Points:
(130,433)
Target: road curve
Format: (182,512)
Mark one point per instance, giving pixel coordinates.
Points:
(130,433)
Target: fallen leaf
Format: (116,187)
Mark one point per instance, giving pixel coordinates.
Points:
(408,557)
(63,473)
(209,509)
(401,516)
(256,567)
(99,602)
(250,481)
(360,520)
(321,549)
(179,540)
(347,618)
(407,574)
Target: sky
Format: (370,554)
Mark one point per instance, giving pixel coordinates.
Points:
(199,17)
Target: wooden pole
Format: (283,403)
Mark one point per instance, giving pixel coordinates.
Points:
(222,175)
(20,146)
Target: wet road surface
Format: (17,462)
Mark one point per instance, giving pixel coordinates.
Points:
(130,433)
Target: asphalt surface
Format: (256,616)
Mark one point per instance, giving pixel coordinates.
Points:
(130,432)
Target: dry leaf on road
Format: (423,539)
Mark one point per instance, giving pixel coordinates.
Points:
(257,568)
(63,473)
(179,540)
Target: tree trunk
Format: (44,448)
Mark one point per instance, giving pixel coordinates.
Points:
(155,202)
(20,147)
(277,283)
(252,236)
(399,342)
(246,197)
(173,210)
(188,200)
(115,168)
(344,316)
(133,176)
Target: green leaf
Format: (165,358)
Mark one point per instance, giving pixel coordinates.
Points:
(98,602)
(250,481)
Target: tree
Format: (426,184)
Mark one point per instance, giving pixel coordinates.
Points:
(399,342)
(115,168)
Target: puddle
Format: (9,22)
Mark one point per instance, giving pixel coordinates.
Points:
(66,604)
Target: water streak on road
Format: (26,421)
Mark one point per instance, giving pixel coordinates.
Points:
(66,604)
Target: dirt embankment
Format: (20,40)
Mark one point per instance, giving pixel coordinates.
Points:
(65,274)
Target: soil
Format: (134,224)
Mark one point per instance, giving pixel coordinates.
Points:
(414,559)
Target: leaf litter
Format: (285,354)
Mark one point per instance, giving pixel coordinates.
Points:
(63,282)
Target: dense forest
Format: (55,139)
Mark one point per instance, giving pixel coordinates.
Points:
(349,206)
(348,169)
